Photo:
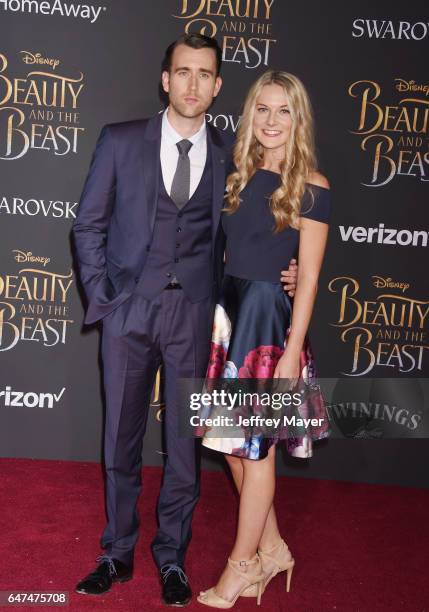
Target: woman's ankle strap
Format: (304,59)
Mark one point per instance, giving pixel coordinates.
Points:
(244,562)
(267,551)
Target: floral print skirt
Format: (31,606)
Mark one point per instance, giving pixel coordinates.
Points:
(251,325)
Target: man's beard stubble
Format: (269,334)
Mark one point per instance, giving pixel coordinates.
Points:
(189,113)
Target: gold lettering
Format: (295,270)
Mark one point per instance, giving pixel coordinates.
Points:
(384,140)
(11,130)
(184,15)
(242,13)
(423,312)
(5,323)
(424,126)
(373,90)
(227,4)
(362,339)
(225,8)
(345,299)
(268,6)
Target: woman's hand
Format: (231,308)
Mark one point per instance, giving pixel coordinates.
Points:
(288,367)
(289,278)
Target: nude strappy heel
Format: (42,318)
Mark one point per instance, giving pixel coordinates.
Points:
(280,556)
(212,599)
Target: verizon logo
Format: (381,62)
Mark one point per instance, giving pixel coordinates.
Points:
(30,399)
(384,235)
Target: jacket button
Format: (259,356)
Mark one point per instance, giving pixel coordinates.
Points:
(136,279)
(180,214)
(179,229)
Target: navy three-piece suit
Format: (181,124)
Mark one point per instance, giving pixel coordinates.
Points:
(131,241)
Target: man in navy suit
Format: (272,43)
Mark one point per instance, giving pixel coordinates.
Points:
(145,238)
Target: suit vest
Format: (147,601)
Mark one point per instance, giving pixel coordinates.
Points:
(181,244)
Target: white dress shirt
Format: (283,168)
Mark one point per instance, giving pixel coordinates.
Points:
(170,154)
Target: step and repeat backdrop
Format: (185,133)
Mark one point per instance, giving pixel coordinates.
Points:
(68,68)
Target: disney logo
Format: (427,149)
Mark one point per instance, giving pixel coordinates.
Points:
(22,257)
(37,58)
(411,86)
(389,283)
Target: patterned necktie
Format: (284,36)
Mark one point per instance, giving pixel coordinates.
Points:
(182,177)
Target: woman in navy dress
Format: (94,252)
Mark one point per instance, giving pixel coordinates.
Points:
(277,208)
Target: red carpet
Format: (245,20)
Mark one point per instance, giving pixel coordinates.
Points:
(357,547)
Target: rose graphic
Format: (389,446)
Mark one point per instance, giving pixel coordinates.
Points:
(261,362)
(216,361)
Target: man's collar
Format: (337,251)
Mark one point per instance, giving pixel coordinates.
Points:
(169,133)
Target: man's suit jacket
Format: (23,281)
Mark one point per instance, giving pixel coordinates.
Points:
(114,224)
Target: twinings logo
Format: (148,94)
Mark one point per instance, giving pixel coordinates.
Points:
(244,27)
(39,111)
(37,58)
(402,86)
(375,416)
(389,283)
(22,257)
(389,331)
(393,132)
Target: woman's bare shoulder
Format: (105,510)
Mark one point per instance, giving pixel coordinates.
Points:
(316,178)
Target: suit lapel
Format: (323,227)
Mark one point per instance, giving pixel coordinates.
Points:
(151,165)
(218,167)
(151,170)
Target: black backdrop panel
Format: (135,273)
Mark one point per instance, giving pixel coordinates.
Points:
(67,68)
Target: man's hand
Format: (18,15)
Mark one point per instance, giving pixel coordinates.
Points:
(288,278)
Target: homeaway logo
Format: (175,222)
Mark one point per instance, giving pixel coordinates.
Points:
(57,7)
(30,399)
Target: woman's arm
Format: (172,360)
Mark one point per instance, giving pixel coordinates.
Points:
(312,243)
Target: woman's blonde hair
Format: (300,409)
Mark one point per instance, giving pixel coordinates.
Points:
(299,160)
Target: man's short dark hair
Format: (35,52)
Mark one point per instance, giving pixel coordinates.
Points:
(195,41)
